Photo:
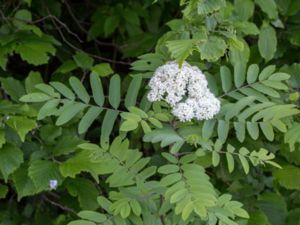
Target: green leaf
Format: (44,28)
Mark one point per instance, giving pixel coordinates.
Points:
(230,162)
(31,80)
(22,125)
(279,76)
(64,90)
(237,107)
(252,73)
(107,126)
(133,90)
(110,25)
(48,109)
(136,208)
(129,125)
(114,96)
(170,179)
(146,128)
(243,9)
(207,7)
(239,74)
(2,137)
(226,78)
(269,7)
(240,130)
(208,128)
(69,113)
(169,157)
(41,172)
(138,112)
(155,122)
(93,216)
(66,144)
(240,56)
(13,88)
(215,158)
(266,90)
(47,89)
(35,52)
(266,72)
(11,158)
(35,97)
(267,42)
(83,60)
(245,163)
(168,168)
(267,130)
(181,49)
(212,49)
(79,89)
(66,67)
(258,218)
(88,119)
(3,191)
(102,69)
(81,222)
(274,206)
(87,199)
(288,177)
(23,182)
(223,129)
(97,89)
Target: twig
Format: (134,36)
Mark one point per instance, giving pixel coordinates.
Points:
(83,29)
(64,208)
(52,17)
(80,50)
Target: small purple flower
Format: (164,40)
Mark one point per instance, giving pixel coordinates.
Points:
(53,184)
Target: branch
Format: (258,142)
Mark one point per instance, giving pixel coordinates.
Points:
(83,29)
(52,17)
(64,208)
(80,50)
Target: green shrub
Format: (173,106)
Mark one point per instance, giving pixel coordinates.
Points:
(82,144)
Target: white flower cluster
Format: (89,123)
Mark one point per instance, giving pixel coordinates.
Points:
(185,89)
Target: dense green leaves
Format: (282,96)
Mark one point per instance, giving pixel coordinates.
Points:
(81,141)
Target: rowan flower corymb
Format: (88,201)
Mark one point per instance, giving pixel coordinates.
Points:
(185,89)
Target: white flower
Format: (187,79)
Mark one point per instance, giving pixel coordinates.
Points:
(53,184)
(184,111)
(185,89)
